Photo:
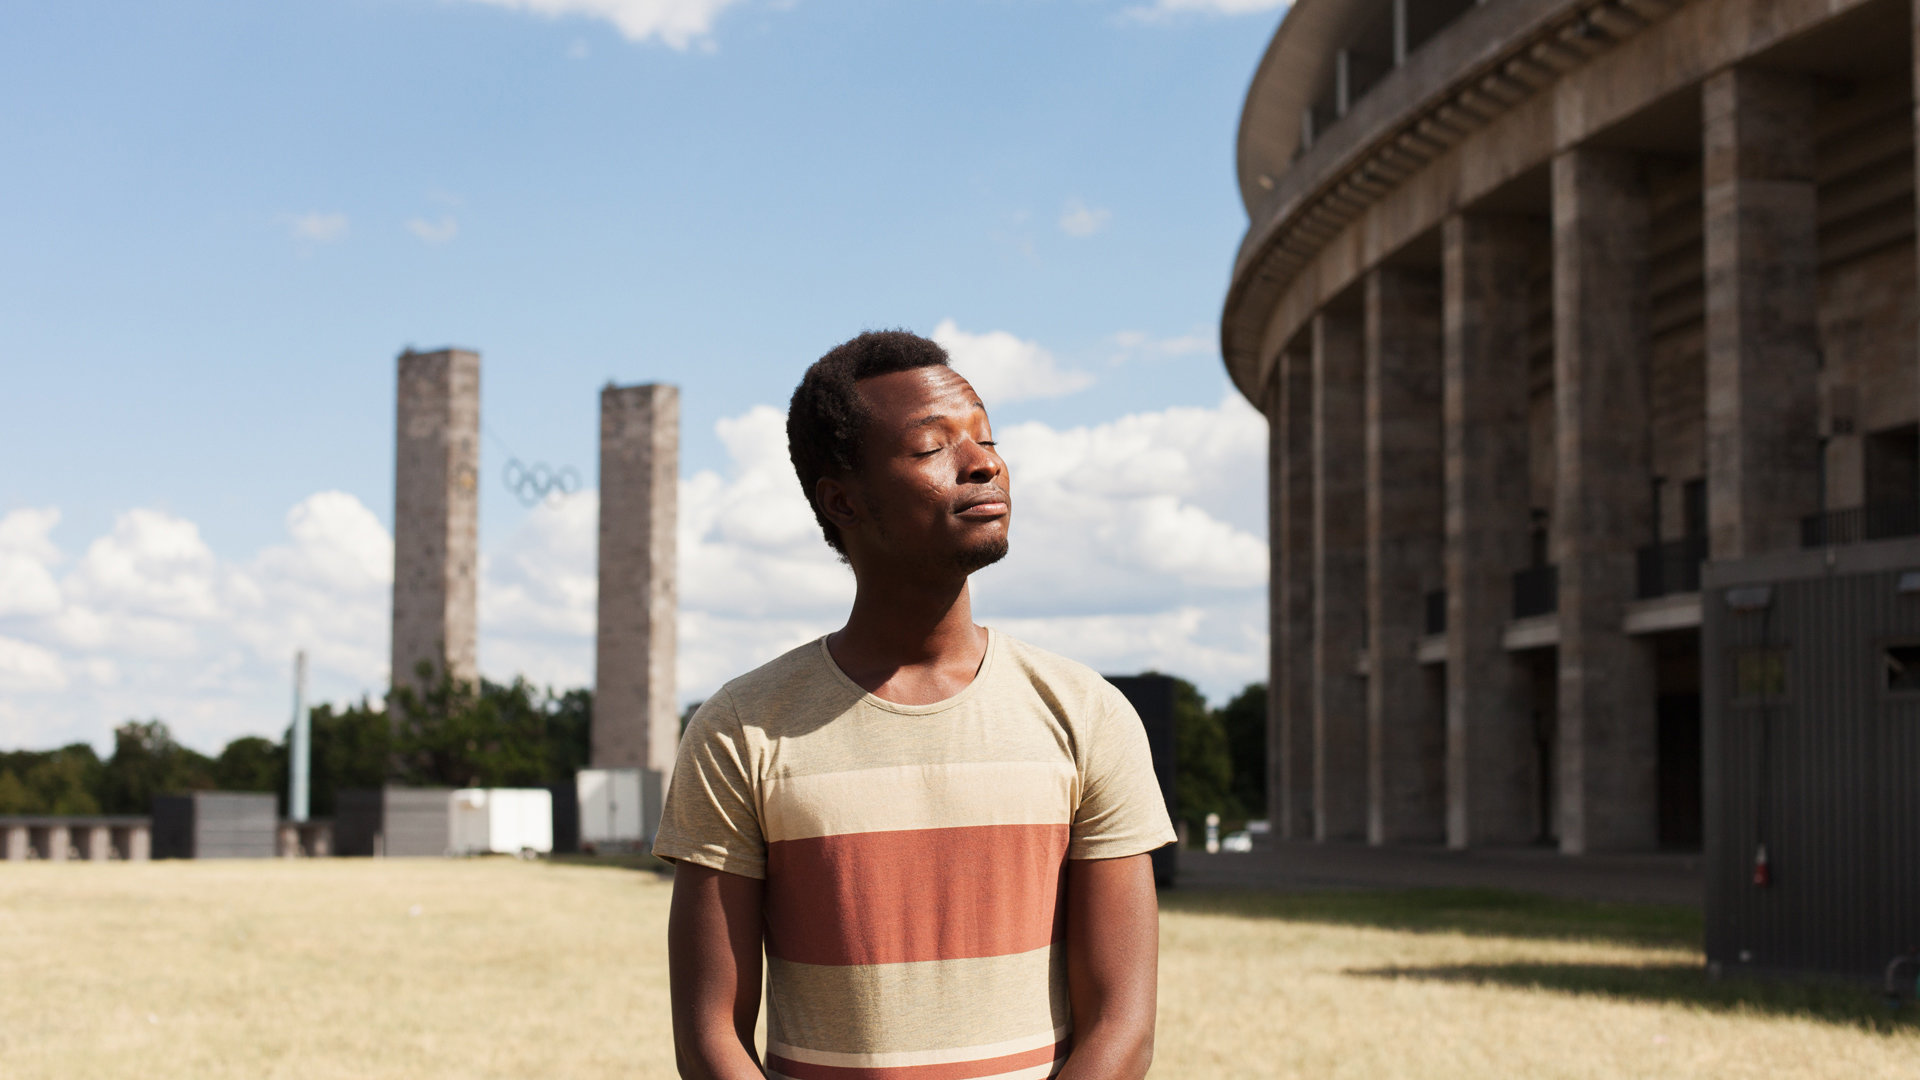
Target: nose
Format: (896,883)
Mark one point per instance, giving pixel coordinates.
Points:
(982,465)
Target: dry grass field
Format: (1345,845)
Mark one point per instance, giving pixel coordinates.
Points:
(496,968)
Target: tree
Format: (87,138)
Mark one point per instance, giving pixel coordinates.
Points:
(14,796)
(1245,721)
(252,763)
(1204,765)
(463,733)
(351,748)
(147,762)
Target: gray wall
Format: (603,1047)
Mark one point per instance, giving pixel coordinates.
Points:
(1825,771)
(215,825)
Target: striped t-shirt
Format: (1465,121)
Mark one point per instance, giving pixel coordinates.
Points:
(914,855)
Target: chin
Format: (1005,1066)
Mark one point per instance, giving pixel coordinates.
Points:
(982,555)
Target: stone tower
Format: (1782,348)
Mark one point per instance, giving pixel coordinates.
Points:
(635,723)
(436,502)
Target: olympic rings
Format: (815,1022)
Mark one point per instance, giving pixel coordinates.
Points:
(533,483)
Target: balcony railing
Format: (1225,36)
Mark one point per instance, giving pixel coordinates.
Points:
(1437,612)
(1536,591)
(1671,568)
(1859,524)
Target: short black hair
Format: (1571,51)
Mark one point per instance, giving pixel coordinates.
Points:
(825,419)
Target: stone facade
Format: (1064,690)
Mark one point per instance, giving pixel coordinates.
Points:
(436,502)
(1568,299)
(635,722)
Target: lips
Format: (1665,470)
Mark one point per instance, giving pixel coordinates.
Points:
(987,504)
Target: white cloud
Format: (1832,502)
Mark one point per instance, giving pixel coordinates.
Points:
(676,23)
(434,232)
(1081,220)
(26,667)
(1132,345)
(1161,9)
(317,227)
(150,622)
(1003,368)
(27,558)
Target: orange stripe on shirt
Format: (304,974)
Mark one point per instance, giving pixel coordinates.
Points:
(954,1070)
(916,894)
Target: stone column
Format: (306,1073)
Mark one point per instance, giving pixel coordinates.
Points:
(1608,731)
(1290,705)
(436,502)
(59,843)
(98,845)
(139,843)
(635,722)
(1485,266)
(1340,571)
(1406,727)
(14,845)
(1762,284)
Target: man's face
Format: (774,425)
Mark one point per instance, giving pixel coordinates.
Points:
(931,487)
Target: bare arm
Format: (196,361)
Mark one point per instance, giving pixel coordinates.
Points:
(1113,965)
(713,957)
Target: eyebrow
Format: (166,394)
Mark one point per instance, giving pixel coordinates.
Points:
(934,418)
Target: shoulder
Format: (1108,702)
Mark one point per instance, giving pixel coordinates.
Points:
(1076,693)
(794,686)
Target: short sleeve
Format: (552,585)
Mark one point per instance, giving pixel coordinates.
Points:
(711,817)
(1121,810)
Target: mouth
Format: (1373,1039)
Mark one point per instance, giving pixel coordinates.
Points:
(986,505)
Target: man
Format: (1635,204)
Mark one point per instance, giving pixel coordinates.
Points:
(938,833)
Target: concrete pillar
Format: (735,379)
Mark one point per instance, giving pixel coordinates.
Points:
(14,845)
(1340,570)
(436,514)
(139,843)
(1608,731)
(59,841)
(1406,726)
(1486,263)
(97,843)
(1290,705)
(635,721)
(1762,285)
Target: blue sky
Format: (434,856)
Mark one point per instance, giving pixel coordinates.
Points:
(225,220)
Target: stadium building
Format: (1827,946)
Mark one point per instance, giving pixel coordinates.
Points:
(1558,311)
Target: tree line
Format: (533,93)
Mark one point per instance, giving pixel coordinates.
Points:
(455,733)
(458,733)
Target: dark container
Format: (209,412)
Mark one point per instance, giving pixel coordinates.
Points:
(393,821)
(215,825)
(1152,697)
(566,817)
(1811,696)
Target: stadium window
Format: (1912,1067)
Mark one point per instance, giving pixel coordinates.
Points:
(1903,667)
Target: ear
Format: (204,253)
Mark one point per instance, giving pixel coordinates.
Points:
(836,501)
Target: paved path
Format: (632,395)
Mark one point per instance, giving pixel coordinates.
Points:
(1298,867)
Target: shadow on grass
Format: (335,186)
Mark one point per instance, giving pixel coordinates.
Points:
(1481,912)
(1679,984)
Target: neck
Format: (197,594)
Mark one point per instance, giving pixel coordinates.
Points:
(910,639)
(909,622)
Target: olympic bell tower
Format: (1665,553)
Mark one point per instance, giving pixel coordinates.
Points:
(436,503)
(635,723)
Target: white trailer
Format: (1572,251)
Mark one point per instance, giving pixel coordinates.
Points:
(619,808)
(504,821)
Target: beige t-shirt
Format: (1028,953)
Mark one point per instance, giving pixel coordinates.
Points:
(914,855)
